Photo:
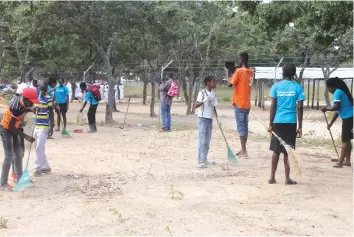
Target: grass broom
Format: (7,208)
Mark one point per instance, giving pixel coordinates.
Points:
(295,162)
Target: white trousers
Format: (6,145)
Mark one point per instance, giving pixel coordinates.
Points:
(41,161)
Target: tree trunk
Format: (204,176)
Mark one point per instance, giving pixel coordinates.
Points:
(191,83)
(196,91)
(185,90)
(152,102)
(73,88)
(145,90)
(110,107)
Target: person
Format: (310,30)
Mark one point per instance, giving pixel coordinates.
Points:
(242,81)
(206,102)
(52,82)
(22,124)
(91,114)
(62,102)
(343,107)
(166,102)
(41,164)
(35,86)
(10,134)
(287,103)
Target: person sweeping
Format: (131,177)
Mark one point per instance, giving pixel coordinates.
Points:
(62,100)
(42,126)
(287,104)
(343,107)
(11,134)
(91,114)
(206,102)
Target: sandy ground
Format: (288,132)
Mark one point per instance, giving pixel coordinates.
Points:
(118,182)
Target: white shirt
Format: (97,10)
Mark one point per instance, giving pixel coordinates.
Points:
(207,109)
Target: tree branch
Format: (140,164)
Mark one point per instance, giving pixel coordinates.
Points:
(108,53)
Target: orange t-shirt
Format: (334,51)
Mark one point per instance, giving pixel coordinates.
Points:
(15,110)
(242,80)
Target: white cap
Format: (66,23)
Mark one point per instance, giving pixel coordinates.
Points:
(20,88)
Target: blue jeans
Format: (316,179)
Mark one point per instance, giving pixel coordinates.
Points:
(241,116)
(166,116)
(205,129)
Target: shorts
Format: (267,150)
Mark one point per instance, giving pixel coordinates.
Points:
(63,108)
(287,132)
(347,126)
(241,116)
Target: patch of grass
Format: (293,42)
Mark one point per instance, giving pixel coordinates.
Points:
(3,223)
(176,194)
(115,212)
(168,230)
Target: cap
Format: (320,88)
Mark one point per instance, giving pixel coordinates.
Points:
(30,94)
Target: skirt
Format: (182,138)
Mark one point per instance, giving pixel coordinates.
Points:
(287,131)
(347,127)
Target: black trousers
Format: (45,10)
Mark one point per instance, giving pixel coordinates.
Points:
(91,116)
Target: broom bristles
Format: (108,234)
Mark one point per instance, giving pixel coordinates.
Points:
(294,161)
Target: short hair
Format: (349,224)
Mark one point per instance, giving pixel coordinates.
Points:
(244,55)
(289,70)
(170,75)
(61,79)
(52,79)
(82,84)
(208,79)
(43,84)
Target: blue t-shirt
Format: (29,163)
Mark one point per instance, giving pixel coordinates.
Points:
(89,98)
(287,93)
(61,94)
(51,94)
(346,108)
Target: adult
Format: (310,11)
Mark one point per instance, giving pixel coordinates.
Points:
(62,102)
(91,114)
(242,81)
(166,102)
(10,134)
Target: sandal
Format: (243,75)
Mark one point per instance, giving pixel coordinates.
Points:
(290,182)
(337,166)
(272,181)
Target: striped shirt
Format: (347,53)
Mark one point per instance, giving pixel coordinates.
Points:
(42,120)
(16,110)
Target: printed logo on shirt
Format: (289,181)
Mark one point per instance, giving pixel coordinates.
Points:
(286,93)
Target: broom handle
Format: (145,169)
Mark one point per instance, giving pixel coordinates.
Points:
(264,124)
(330,132)
(34,125)
(222,132)
(126,112)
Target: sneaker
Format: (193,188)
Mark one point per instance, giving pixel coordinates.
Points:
(45,171)
(14,177)
(202,166)
(37,173)
(209,163)
(7,187)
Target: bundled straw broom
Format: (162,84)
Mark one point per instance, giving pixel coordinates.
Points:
(294,161)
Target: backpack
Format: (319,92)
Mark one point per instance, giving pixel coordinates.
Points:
(173,90)
(95,90)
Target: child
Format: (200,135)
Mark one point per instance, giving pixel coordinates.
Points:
(62,100)
(287,97)
(91,114)
(52,82)
(343,107)
(206,103)
(42,123)
(10,134)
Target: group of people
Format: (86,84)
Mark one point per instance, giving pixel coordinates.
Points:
(42,99)
(285,119)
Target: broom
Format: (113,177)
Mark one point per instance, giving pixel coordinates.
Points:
(294,161)
(334,144)
(126,112)
(25,181)
(230,155)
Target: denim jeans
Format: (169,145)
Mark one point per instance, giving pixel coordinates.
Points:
(166,116)
(241,116)
(12,150)
(205,130)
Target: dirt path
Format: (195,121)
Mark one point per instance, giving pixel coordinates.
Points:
(118,182)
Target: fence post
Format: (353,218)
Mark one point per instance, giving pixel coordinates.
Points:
(255,100)
(318,94)
(313,93)
(263,102)
(308,93)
